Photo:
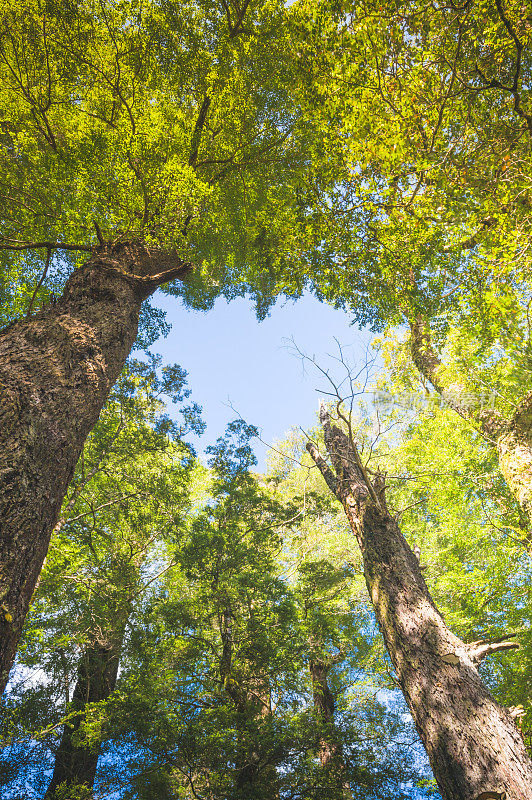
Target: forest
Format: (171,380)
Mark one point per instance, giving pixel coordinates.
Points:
(352,621)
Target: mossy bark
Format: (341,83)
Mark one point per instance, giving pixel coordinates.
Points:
(514,447)
(512,437)
(473,744)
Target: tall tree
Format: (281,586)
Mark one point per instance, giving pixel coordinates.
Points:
(147,139)
(473,745)
(231,561)
(127,497)
(429,222)
(321,585)
(342,648)
(215,697)
(460,517)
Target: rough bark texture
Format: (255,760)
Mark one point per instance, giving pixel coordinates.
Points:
(56,370)
(76,766)
(473,745)
(330,751)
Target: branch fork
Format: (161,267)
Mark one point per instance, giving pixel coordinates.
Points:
(479,650)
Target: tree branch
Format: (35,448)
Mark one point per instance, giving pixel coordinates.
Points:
(198,128)
(472,241)
(345,457)
(323,467)
(41,281)
(180,271)
(484,649)
(12,244)
(98,232)
(481,648)
(425,358)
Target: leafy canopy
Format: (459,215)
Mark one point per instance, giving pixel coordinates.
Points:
(168,122)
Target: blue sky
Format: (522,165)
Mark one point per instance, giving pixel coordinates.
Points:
(234,360)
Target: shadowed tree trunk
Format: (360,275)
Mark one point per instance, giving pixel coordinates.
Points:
(56,370)
(330,751)
(76,765)
(474,747)
(254,776)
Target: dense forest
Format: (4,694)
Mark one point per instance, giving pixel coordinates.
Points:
(354,621)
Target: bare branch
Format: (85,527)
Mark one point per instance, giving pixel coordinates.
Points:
(479,653)
(480,649)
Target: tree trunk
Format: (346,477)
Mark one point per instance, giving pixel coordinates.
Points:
(473,745)
(330,751)
(512,437)
(56,370)
(514,448)
(254,773)
(252,700)
(76,765)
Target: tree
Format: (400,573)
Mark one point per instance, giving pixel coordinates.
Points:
(472,743)
(239,609)
(128,495)
(321,585)
(459,516)
(146,139)
(361,748)
(214,696)
(429,221)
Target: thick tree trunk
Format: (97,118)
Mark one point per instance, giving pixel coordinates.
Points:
(474,747)
(76,765)
(330,751)
(56,370)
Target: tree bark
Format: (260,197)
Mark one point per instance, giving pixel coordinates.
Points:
(75,765)
(56,370)
(474,747)
(330,751)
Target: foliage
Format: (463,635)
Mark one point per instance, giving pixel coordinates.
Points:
(127,498)
(167,122)
(214,693)
(378,154)
(421,123)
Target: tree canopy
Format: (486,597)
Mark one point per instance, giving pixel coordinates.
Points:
(199,629)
